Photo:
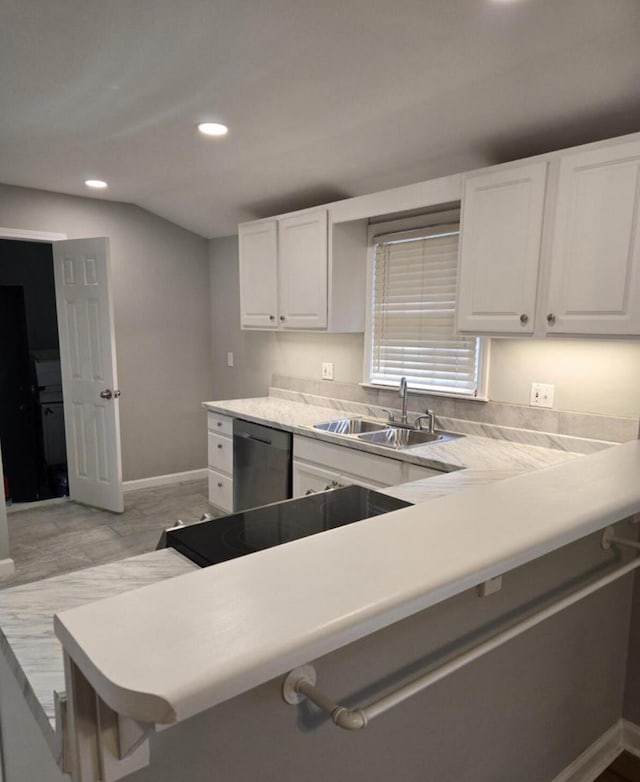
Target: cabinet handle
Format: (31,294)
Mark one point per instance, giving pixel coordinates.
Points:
(524,319)
(282,317)
(551,319)
(309,491)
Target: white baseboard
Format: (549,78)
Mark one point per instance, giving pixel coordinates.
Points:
(631,737)
(594,760)
(624,735)
(7,568)
(165,480)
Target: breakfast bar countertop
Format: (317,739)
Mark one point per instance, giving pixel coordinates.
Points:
(27,639)
(231,637)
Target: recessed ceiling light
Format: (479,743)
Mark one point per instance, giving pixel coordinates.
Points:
(213,129)
(97,184)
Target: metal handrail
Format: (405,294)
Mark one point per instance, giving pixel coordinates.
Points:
(300,683)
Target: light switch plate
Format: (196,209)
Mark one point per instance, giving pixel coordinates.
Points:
(327,370)
(230,359)
(541,395)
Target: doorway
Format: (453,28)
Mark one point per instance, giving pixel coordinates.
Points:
(32,435)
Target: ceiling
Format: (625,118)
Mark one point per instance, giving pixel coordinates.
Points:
(324,100)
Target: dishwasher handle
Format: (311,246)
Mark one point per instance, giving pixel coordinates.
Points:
(263,435)
(246,436)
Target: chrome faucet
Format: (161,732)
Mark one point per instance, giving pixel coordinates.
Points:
(403,394)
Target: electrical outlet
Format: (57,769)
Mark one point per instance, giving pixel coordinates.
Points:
(230,358)
(541,395)
(327,370)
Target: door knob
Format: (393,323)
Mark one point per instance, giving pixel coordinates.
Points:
(109,394)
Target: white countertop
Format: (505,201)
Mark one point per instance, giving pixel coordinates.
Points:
(239,624)
(26,621)
(531,451)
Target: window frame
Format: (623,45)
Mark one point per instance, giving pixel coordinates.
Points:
(405,225)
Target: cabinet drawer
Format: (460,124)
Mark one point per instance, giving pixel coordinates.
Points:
(349,462)
(221,491)
(221,424)
(220,452)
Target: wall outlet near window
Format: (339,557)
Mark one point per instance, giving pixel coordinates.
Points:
(327,370)
(230,359)
(541,395)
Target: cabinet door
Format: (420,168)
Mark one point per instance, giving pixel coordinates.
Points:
(594,285)
(309,478)
(500,249)
(258,246)
(303,265)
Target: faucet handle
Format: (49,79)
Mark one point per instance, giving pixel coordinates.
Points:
(390,416)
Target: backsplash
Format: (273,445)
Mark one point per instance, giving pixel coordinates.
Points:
(580,432)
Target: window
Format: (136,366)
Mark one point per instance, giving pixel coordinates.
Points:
(411,324)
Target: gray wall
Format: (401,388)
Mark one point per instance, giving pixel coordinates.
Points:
(590,376)
(160,283)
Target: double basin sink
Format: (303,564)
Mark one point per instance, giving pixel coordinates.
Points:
(383,433)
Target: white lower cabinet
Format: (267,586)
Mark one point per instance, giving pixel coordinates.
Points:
(318,466)
(220,460)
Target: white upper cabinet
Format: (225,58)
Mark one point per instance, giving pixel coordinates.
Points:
(552,245)
(594,279)
(500,249)
(303,269)
(258,244)
(300,272)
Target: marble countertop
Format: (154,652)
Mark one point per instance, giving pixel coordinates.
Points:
(234,637)
(26,621)
(482,448)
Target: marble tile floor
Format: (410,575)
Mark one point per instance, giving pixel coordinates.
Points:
(51,539)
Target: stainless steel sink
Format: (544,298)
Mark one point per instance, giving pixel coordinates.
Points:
(399,438)
(350,426)
(384,433)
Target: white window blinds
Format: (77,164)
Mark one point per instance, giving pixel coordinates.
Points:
(412,328)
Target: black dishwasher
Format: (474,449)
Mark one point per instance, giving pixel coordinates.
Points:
(261,465)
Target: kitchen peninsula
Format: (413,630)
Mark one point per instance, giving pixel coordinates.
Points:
(372,605)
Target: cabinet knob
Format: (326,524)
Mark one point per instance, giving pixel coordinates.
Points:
(524,319)
(219,484)
(309,491)
(272,317)
(219,445)
(551,319)
(282,317)
(219,423)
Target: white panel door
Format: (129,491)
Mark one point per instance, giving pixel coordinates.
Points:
(89,379)
(594,283)
(258,247)
(500,241)
(303,270)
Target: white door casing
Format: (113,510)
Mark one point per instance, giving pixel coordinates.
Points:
(88,362)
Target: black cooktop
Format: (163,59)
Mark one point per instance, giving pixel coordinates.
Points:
(211,542)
